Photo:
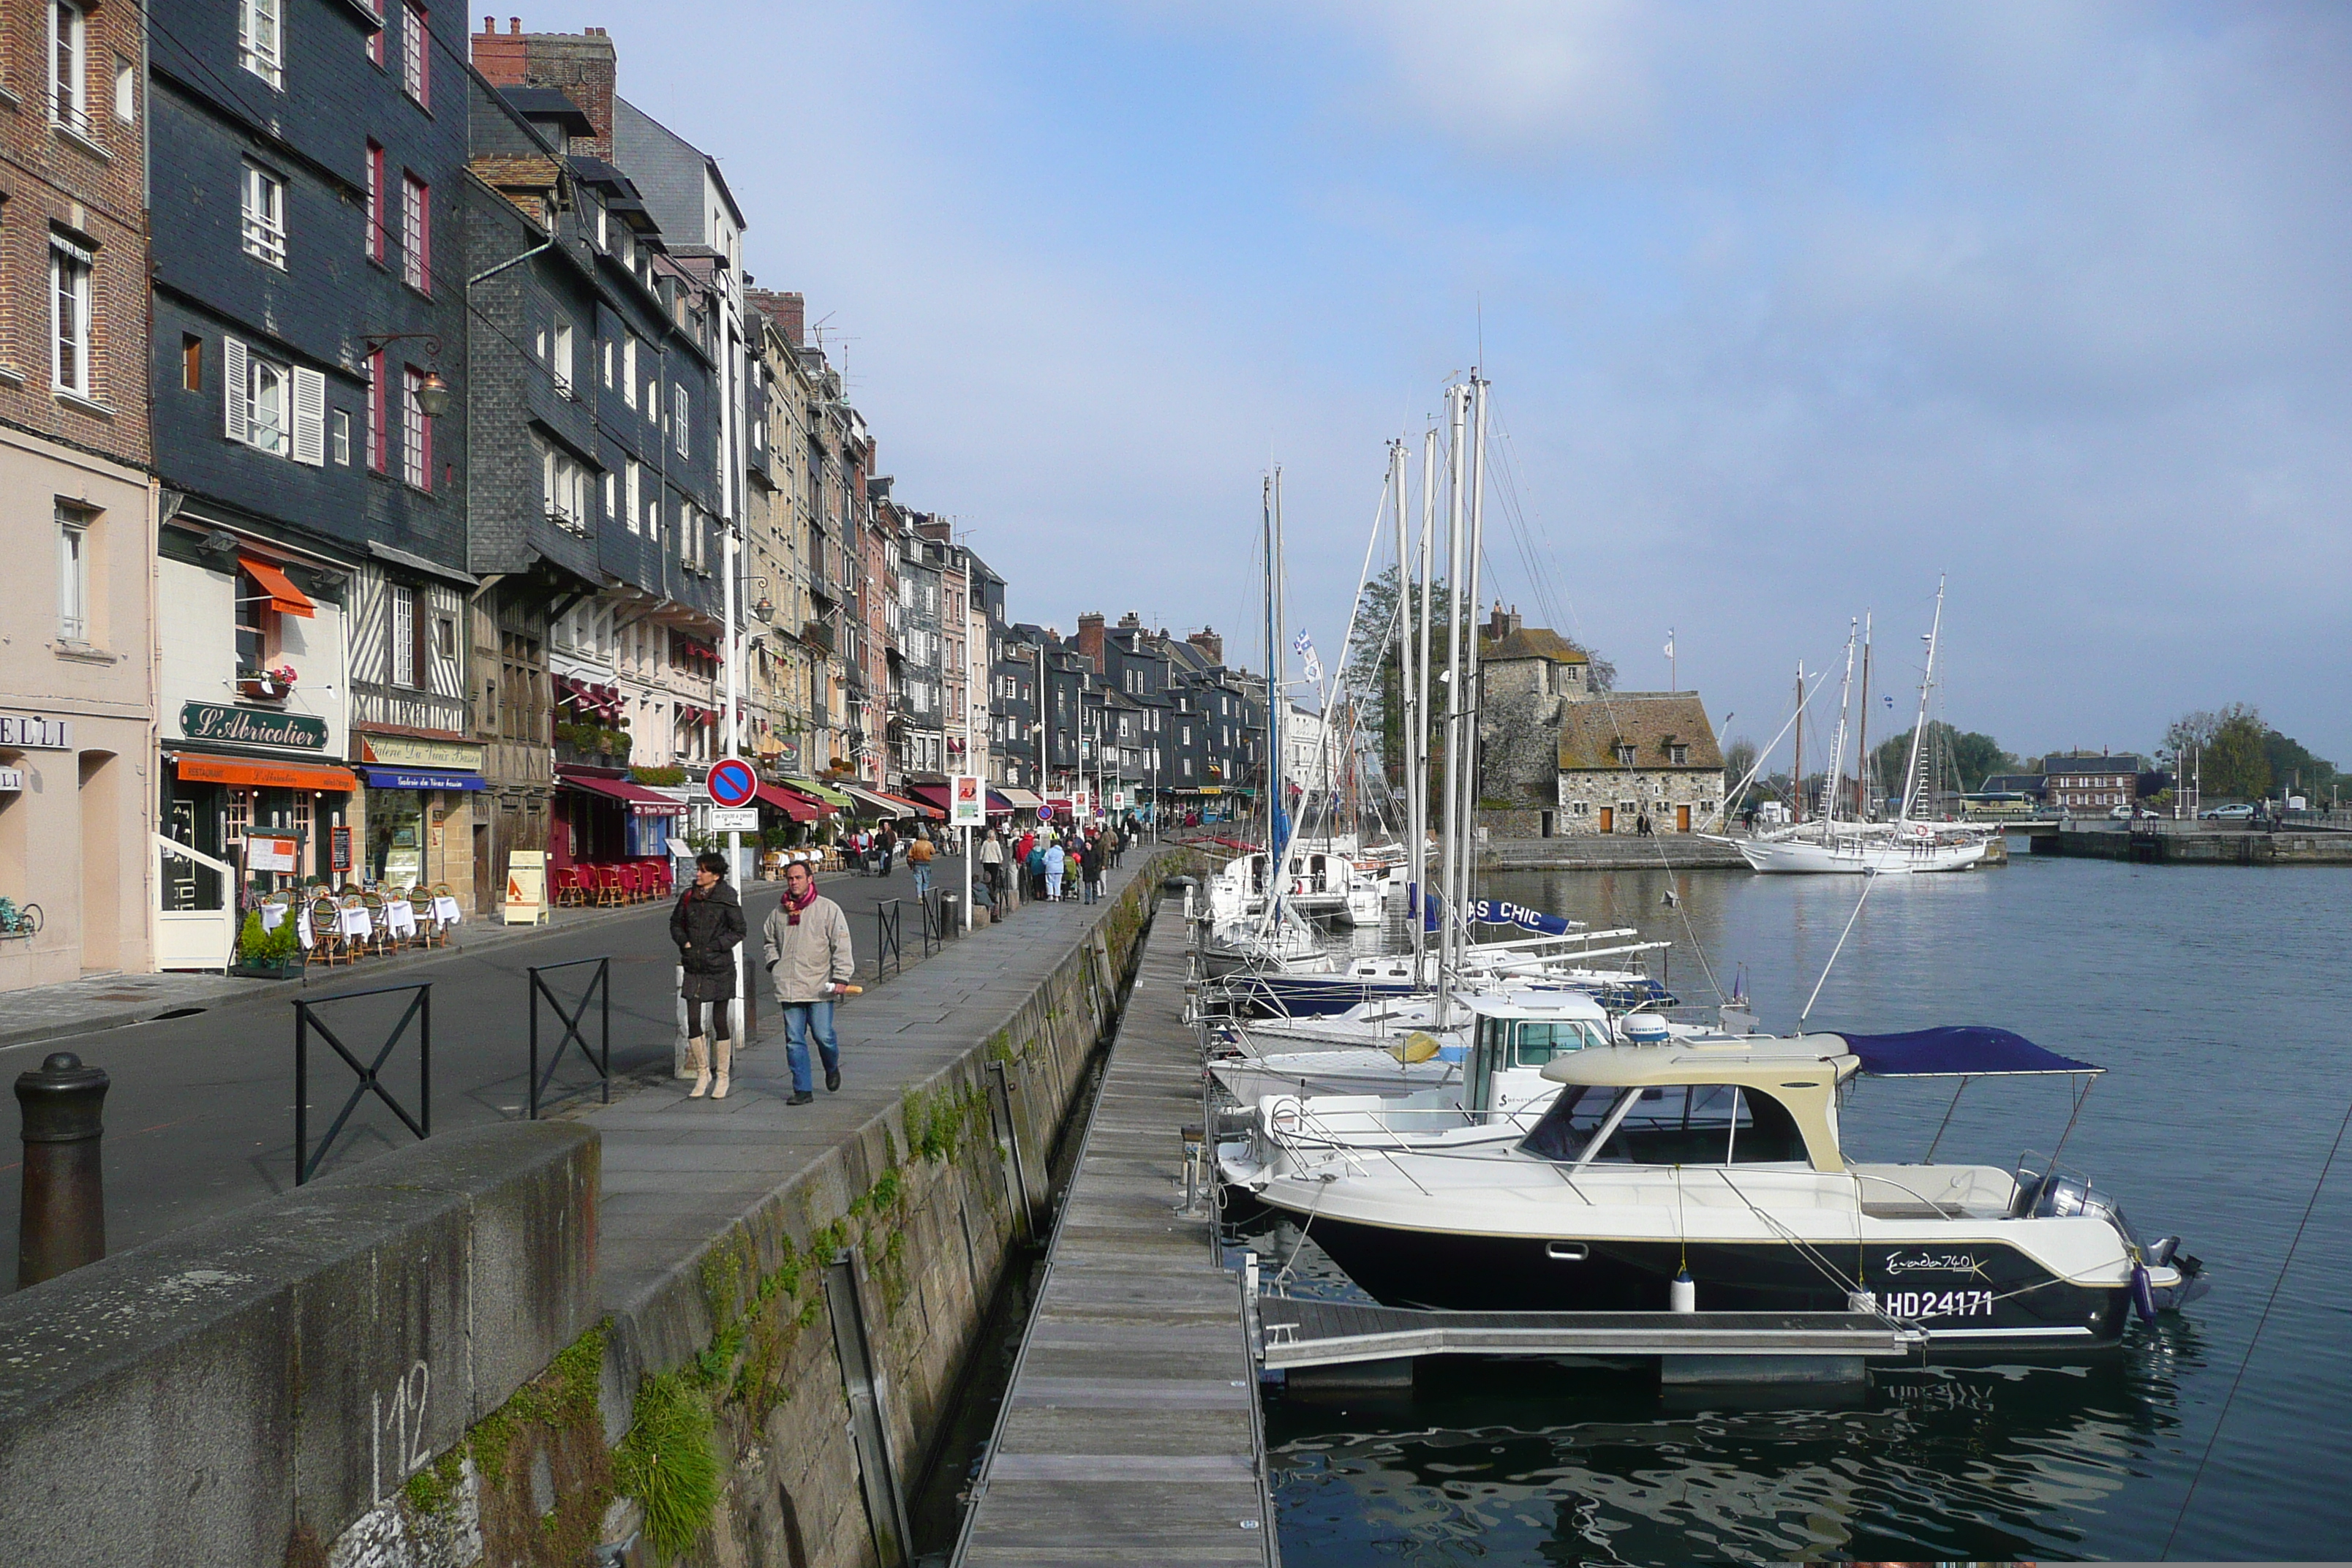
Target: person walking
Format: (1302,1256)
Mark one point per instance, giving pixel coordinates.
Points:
(708,926)
(1091,864)
(1035,863)
(992,867)
(1056,860)
(919,861)
(805,945)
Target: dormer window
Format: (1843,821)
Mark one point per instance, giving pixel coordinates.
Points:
(1626,755)
(1679,755)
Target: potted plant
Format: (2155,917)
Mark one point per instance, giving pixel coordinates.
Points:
(273,685)
(268,954)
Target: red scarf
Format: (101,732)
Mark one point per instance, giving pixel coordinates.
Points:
(793,907)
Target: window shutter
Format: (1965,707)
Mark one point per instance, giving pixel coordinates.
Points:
(236,391)
(309,417)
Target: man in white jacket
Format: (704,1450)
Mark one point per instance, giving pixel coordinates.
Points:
(806,946)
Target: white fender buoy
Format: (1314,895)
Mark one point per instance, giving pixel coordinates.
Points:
(1682,1295)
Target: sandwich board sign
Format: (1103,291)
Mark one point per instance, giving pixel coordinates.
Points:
(526,900)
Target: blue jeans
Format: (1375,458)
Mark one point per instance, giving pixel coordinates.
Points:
(800,1019)
(922,879)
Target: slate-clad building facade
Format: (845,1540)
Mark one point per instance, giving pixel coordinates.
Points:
(308,322)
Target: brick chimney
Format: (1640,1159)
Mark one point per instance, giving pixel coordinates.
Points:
(1503,622)
(1207,640)
(1090,638)
(789,311)
(584,65)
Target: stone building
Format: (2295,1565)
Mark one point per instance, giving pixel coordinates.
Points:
(1557,757)
(78,768)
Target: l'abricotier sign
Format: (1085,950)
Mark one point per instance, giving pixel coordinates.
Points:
(248,727)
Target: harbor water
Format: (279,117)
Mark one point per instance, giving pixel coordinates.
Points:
(2221,1001)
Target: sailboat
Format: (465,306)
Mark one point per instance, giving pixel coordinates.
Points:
(1832,843)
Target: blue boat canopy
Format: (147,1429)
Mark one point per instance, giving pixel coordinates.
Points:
(1968,1051)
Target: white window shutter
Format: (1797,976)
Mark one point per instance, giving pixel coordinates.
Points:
(237,391)
(309,417)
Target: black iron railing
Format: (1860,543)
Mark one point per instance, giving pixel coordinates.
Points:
(886,948)
(371,1080)
(599,989)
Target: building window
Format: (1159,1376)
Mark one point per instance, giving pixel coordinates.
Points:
(416,234)
(264,216)
(444,639)
(375,225)
(379,457)
(68,78)
(563,487)
(416,71)
(1625,756)
(677,417)
(563,358)
(344,438)
(629,371)
(270,420)
(608,362)
(1679,755)
(126,90)
(403,635)
(192,362)
(607,485)
(69,266)
(73,573)
(635,493)
(261,39)
(415,431)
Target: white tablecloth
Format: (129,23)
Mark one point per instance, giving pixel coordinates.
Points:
(354,925)
(272,916)
(399,918)
(445,910)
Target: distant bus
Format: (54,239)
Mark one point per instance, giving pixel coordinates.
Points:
(1997,805)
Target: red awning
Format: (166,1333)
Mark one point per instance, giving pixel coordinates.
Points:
(284,597)
(799,807)
(916,807)
(641,801)
(932,796)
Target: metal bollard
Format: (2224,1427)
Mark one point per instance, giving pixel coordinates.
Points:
(62,1222)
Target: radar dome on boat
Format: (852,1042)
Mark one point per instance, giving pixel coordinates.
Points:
(1643,1028)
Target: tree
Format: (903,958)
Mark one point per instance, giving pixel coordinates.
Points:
(1737,758)
(2223,750)
(2233,763)
(2294,769)
(1966,759)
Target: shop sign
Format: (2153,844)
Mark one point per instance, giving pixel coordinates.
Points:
(967,801)
(11,779)
(526,903)
(272,852)
(339,847)
(250,727)
(406,751)
(36,733)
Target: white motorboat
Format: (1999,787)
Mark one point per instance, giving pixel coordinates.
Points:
(1719,1161)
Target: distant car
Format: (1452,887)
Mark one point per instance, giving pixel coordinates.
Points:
(2228,814)
(2120,814)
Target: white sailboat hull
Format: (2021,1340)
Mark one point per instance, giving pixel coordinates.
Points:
(1876,856)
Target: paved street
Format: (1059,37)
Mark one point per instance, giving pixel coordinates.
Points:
(200,1117)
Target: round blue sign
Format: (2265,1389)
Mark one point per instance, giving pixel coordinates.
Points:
(1045,812)
(732,784)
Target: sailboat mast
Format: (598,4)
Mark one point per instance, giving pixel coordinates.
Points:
(1919,727)
(1420,780)
(1475,483)
(1862,739)
(1449,848)
(1265,504)
(1276,671)
(1837,752)
(1797,796)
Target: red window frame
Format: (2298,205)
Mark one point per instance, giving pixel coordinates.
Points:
(375,225)
(378,455)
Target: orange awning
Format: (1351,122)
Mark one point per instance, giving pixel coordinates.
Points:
(284,597)
(266,775)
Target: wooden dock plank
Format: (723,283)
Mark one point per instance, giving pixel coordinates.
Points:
(1130,1434)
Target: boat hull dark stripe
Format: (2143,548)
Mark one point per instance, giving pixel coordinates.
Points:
(1948,1289)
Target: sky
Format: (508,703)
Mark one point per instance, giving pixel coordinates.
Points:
(1789,310)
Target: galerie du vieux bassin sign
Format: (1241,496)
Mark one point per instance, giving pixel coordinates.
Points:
(246,727)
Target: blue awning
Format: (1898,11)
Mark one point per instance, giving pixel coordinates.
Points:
(418,778)
(1970,1050)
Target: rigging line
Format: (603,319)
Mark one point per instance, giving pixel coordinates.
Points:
(1517,514)
(1869,880)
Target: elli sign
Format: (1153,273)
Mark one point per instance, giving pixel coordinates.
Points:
(249,727)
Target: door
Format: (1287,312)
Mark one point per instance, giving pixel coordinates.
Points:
(1682,819)
(1608,819)
(482,888)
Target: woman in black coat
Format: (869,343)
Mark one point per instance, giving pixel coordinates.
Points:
(708,926)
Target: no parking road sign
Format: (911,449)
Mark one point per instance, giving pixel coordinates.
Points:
(732,784)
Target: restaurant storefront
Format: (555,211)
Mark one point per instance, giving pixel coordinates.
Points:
(603,819)
(416,813)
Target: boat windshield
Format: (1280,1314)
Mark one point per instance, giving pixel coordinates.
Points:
(1538,1041)
(1669,1124)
